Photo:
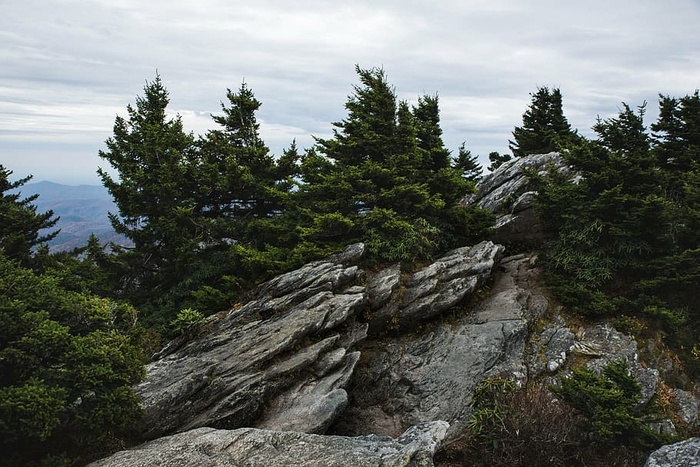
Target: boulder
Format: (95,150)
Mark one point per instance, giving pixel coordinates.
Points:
(432,290)
(683,454)
(209,447)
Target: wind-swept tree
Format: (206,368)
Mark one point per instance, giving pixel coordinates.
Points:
(153,191)
(545,128)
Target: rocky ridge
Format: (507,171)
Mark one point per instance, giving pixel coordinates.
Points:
(332,360)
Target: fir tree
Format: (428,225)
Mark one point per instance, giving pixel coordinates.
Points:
(545,128)
(21,227)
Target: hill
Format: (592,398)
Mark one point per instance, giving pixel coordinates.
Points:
(82,210)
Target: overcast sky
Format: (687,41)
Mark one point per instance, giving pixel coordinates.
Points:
(67,68)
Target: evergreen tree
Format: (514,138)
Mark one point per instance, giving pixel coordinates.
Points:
(497,160)
(545,128)
(468,164)
(21,227)
(68,362)
(386,177)
(153,192)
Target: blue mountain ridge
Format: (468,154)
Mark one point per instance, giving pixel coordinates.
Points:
(82,210)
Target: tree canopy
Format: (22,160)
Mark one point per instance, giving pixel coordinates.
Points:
(545,128)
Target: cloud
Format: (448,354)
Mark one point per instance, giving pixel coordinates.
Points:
(69,66)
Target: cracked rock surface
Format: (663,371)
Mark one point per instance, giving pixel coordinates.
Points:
(208,447)
(430,375)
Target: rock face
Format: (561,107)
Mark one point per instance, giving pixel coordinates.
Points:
(284,359)
(683,454)
(431,375)
(208,447)
(506,193)
(252,358)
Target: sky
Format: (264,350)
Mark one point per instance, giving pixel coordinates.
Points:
(69,67)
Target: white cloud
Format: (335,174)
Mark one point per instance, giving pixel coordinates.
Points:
(67,67)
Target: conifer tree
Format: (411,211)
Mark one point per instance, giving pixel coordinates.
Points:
(153,191)
(386,177)
(21,227)
(545,128)
(468,164)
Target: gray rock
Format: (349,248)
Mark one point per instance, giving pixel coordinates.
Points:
(431,375)
(208,447)
(506,193)
(683,454)
(551,348)
(249,361)
(382,285)
(435,288)
(609,345)
(687,407)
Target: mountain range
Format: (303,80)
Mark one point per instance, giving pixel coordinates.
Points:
(82,211)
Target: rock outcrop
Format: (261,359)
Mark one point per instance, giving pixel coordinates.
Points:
(506,193)
(283,360)
(683,454)
(386,361)
(279,360)
(431,374)
(208,447)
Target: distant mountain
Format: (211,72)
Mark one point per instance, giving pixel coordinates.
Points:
(82,210)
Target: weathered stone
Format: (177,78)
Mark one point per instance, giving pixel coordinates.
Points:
(687,407)
(551,348)
(382,285)
(311,404)
(683,454)
(609,345)
(431,375)
(438,287)
(506,193)
(252,357)
(208,447)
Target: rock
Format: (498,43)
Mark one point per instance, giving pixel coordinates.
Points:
(209,447)
(687,407)
(255,359)
(683,454)
(551,348)
(506,193)
(431,375)
(608,345)
(432,290)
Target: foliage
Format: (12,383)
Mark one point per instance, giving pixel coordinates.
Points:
(610,403)
(185,320)
(21,227)
(545,128)
(497,160)
(525,426)
(67,364)
(621,241)
(197,211)
(387,178)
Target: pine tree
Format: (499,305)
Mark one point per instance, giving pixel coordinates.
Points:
(21,227)
(468,164)
(545,128)
(386,177)
(154,192)
(497,160)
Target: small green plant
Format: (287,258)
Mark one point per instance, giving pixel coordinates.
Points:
(488,408)
(185,320)
(610,403)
